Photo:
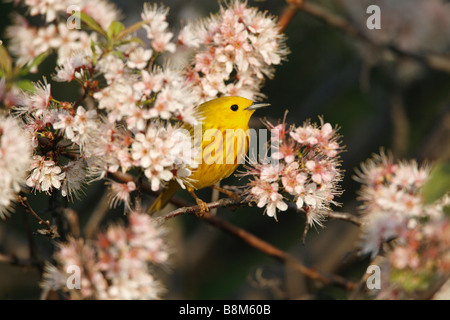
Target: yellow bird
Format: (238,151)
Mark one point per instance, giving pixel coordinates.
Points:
(225,142)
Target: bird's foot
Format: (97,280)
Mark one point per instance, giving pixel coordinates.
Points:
(203,207)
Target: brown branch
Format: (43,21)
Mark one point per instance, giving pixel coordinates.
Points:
(434,61)
(221,203)
(333,20)
(32,250)
(82,98)
(288,13)
(230,202)
(187,207)
(96,217)
(400,124)
(335,215)
(262,245)
(50,230)
(71,216)
(23,201)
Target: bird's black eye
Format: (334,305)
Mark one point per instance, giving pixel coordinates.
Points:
(234,107)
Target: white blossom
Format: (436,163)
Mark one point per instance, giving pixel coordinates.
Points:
(15,159)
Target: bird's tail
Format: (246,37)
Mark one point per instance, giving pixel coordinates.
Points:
(164,197)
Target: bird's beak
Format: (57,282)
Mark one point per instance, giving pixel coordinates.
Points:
(255,106)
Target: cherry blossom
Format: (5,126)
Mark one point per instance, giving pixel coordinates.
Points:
(15,159)
(301,170)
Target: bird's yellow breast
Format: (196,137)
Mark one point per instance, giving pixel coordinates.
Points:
(223,150)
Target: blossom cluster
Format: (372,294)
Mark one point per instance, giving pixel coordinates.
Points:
(59,134)
(304,170)
(392,200)
(235,50)
(122,119)
(118,264)
(395,211)
(27,42)
(15,160)
(421,257)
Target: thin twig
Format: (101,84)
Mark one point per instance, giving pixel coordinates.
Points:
(215,194)
(71,216)
(260,244)
(32,251)
(434,61)
(400,124)
(221,203)
(333,215)
(23,201)
(344,216)
(187,207)
(230,202)
(82,98)
(56,210)
(288,13)
(96,217)
(138,197)
(50,229)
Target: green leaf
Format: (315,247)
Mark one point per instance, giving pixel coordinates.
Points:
(92,24)
(5,61)
(34,63)
(118,54)
(438,183)
(114,29)
(25,85)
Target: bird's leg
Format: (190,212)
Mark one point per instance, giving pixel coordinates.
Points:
(229,193)
(202,204)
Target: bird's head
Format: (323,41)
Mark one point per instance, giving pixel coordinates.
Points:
(229,112)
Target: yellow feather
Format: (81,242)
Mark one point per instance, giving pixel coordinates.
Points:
(165,196)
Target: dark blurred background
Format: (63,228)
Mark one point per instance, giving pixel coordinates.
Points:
(378,99)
